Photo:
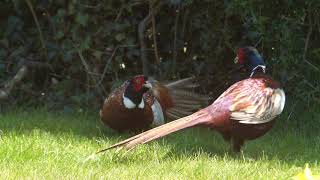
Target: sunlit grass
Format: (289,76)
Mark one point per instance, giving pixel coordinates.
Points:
(46,145)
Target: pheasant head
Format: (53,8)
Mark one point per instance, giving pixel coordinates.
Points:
(250,59)
(133,94)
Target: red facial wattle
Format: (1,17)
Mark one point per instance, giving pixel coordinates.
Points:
(138,83)
(240,54)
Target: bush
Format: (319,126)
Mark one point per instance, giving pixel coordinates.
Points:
(77,51)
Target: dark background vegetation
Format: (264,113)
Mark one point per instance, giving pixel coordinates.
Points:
(69,54)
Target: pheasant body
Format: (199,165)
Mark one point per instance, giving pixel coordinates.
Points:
(117,116)
(152,108)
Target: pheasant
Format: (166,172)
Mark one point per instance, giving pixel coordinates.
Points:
(245,111)
(141,103)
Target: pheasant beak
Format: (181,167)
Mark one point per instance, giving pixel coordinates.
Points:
(147,85)
(236,60)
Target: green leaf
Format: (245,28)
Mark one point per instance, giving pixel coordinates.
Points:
(120,36)
(61,12)
(18,51)
(82,19)
(14,24)
(59,35)
(118,59)
(4,42)
(97,54)
(67,56)
(85,44)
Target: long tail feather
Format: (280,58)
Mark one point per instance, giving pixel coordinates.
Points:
(197,118)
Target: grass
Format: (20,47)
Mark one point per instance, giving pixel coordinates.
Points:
(36,144)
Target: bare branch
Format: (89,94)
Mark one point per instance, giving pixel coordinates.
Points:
(38,27)
(109,61)
(9,85)
(309,63)
(308,35)
(175,53)
(154,32)
(119,14)
(141,29)
(90,75)
(306,45)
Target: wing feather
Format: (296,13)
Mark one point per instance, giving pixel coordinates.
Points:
(254,103)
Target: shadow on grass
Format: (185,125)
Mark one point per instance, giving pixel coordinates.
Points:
(284,142)
(85,124)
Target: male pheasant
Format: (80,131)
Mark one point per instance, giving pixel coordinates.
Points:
(245,111)
(140,103)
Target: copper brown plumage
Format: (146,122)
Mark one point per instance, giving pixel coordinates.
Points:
(142,102)
(245,111)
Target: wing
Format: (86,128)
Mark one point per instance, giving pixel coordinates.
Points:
(254,103)
(177,98)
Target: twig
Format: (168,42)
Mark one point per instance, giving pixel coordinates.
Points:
(308,36)
(85,64)
(175,53)
(119,14)
(141,29)
(154,32)
(86,67)
(109,61)
(315,67)
(38,27)
(37,64)
(89,75)
(311,85)
(306,45)
(79,81)
(9,85)
(184,23)
(258,42)
(292,110)
(34,64)
(90,6)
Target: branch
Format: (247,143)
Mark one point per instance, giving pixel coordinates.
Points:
(154,32)
(38,27)
(306,45)
(119,14)
(34,64)
(9,85)
(141,29)
(308,36)
(175,53)
(90,74)
(109,61)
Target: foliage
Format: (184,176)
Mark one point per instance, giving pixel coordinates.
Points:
(92,46)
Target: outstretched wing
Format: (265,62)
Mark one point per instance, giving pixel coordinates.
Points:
(178,98)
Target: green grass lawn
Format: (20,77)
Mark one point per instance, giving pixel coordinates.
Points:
(43,145)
